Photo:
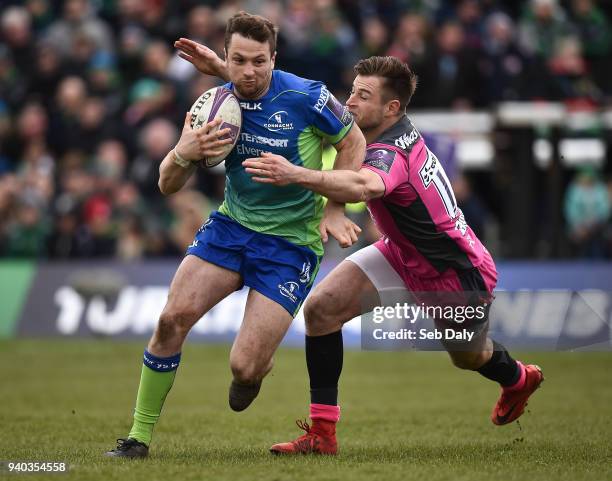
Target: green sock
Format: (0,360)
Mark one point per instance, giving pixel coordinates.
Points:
(156,379)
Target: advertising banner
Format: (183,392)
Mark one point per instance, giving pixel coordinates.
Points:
(552,306)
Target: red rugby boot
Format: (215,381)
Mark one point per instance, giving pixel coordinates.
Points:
(513,400)
(319,439)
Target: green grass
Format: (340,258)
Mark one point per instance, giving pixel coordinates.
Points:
(404,416)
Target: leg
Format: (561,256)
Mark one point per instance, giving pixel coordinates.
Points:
(357,285)
(345,293)
(197,286)
(352,288)
(263,328)
(472,356)
(492,360)
(484,355)
(325,311)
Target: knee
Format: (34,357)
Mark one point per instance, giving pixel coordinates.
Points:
(175,324)
(319,313)
(245,372)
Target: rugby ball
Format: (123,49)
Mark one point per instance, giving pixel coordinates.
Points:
(218,103)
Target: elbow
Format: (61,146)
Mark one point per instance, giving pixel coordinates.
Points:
(164,187)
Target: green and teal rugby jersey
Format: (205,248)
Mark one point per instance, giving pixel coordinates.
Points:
(291,120)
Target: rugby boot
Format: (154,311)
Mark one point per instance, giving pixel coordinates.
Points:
(128,448)
(319,439)
(513,400)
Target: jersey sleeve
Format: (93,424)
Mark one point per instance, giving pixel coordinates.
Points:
(328,117)
(389,164)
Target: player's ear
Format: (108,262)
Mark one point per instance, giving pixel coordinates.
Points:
(273,59)
(393,107)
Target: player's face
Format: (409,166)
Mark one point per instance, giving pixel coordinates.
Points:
(250,66)
(366,103)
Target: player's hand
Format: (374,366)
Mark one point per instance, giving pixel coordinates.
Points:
(271,169)
(206,141)
(202,57)
(336,224)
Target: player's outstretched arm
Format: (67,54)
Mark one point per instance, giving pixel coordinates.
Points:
(202,58)
(194,145)
(338,185)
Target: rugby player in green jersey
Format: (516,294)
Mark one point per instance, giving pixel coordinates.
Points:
(265,237)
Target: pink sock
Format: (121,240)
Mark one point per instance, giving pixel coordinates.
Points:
(521,380)
(325,412)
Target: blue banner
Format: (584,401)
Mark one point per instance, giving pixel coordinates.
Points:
(553,306)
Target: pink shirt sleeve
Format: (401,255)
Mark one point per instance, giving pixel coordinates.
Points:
(390,164)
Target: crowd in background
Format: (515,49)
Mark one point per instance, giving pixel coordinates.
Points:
(92,96)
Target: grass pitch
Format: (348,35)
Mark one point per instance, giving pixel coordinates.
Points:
(404,416)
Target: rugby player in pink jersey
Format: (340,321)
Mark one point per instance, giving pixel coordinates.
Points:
(426,247)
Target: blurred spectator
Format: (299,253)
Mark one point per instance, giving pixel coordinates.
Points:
(542,27)
(79,23)
(570,79)
(469,14)
(41,13)
(157,139)
(503,66)
(201,27)
(47,74)
(450,76)
(132,43)
(70,99)
(411,44)
(596,39)
(27,232)
(374,36)
(587,209)
(593,28)
(17,35)
(12,85)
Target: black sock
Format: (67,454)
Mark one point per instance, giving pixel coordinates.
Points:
(501,367)
(324,356)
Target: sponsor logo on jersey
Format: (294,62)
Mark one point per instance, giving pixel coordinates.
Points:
(462,227)
(288,288)
(339,110)
(428,170)
(461,224)
(381,159)
(258,139)
(242,149)
(406,141)
(322,100)
(251,106)
(279,121)
(305,274)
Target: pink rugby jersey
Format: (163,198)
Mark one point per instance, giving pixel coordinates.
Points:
(418,214)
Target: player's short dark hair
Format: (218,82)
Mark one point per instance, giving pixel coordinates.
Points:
(399,81)
(250,26)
